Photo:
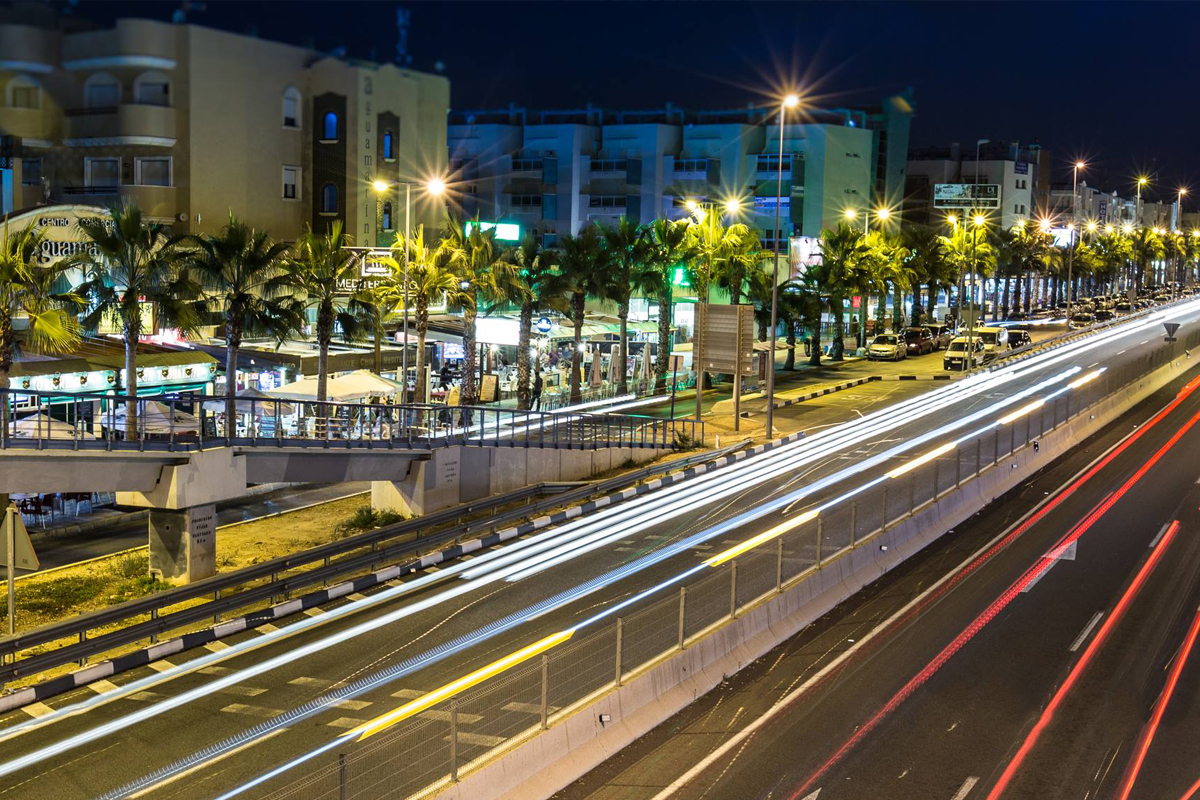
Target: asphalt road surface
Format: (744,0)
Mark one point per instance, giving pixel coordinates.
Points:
(1034,671)
(95,749)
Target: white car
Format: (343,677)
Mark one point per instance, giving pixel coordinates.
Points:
(963,354)
(995,341)
(887,347)
(1080,320)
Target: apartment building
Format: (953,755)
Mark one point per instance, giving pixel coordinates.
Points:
(1021,172)
(552,172)
(193,123)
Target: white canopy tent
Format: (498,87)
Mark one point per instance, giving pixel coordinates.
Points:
(41,426)
(155,417)
(244,405)
(347,388)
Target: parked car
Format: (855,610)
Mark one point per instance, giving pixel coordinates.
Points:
(963,354)
(1124,307)
(942,334)
(887,347)
(1018,315)
(995,341)
(918,341)
(1019,337)
(1104,315)
(1080,320)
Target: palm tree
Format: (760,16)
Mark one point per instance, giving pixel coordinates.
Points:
(582,272)
(969,251)
(627,251)
(743,256)
(245,281)
(324,276)
(712,243)
(431,277)
(840,273)
(538,270)
(929,266)
(1145,248)
(669,249)
(30,290)
(131,261)
(485,277)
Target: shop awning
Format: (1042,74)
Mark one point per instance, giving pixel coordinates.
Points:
(341,388)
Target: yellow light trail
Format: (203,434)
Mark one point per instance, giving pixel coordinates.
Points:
(765,536)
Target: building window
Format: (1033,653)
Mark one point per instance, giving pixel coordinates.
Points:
(102,173)
(154,171)
(607,201)
(329,199)
(388,147)
(526,201)
(31,172)
(329,127)
(387,216)
(152,89)
(291,183)
(291,107)
(102,91)
(23,92)
(526,164)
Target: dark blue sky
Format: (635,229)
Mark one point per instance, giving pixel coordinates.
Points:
(1111,82)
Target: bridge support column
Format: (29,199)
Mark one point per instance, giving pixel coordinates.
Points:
(183,544)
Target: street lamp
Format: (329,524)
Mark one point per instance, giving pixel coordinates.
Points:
(789,101)
(978,221)
(850,214)
(733,206)
(1079,165)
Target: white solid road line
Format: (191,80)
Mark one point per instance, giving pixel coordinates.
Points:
(741,736)
(1087,629)
(966,788)
(1160,533)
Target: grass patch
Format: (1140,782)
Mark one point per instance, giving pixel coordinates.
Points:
(366,518)
(105,583)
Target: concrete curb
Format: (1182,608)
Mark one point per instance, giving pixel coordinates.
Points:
(838,387)
(540,763)
(187,641)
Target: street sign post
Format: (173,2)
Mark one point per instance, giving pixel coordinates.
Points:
(17,552)
(1171,328)
(729,346)
(966,195)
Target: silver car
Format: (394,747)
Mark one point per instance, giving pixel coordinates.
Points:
(887,347)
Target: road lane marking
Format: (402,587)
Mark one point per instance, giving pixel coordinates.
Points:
(216,647)
(407,694)
(251,711)
(345,723)
(1066,553)
(144,696)
(965,789)
(1159,535)
(161,666)
(314,682)
(527,708)
(266,628)
(101,686)
(444,716)
(1087,629)
(357,596)
(352,705)
(38,709)
(315,611)
(243,691)
(214,670)
(479,739)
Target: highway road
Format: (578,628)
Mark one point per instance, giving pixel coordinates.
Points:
(1043,659)
(192,722)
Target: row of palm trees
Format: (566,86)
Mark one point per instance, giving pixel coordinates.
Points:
(254,287)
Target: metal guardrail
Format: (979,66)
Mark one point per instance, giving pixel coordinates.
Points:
(42,420)
(152,605)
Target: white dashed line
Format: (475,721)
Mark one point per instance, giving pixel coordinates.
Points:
(1082,637)
(38,709)
(101,686)
(251,711)
(965,789)
(216,647)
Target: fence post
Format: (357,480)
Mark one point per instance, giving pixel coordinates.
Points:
(820,540)
(454,740)
(545,691)
(912,492)
(779,566)
(620,632)
(853,520)
(682,608)
(978,455)
(958,466)
(343,791)
(733,588)
(883,518)
(937,468)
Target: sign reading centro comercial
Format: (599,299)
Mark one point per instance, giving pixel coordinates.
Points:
(59,226)
(966,195)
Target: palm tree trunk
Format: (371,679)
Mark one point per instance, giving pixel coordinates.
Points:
(898,307)
(231,354)
(523,356)
(622,363)
(422,330)
(7,343)
(837,349)
(133,330)
(468,376)
(880,310)
(663,360)
(577,307)
(814,352)
(790,362)
(324,337)
(863,301)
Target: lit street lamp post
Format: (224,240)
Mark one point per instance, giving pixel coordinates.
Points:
(791,101)
(1071,229)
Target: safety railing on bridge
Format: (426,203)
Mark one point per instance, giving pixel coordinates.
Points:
(424,753)
(58,420)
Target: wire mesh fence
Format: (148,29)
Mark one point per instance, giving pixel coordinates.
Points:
(422,755)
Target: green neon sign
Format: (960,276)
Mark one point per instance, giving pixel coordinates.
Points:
(679,278)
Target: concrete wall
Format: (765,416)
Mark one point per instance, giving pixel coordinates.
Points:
(456,475)
(544,762)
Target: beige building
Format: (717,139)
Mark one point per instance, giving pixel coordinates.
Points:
(192,122)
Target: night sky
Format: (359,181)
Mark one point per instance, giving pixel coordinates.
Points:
(1110,82)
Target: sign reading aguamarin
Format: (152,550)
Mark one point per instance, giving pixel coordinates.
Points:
(59,226)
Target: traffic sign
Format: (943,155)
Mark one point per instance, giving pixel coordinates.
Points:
(544,325)
(26,558)
(1171,328)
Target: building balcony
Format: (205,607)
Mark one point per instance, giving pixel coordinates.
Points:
(136,124)
(135,43)
(28,123)
(155,201)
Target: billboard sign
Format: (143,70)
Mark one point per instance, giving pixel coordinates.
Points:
(966,195)
(803,252)
(728,341)
(505,231)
